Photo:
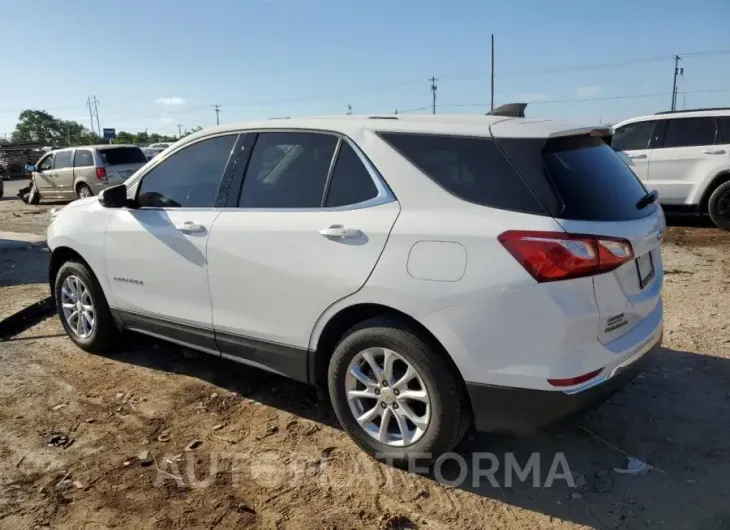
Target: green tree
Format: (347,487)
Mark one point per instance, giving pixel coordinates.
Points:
(40,126)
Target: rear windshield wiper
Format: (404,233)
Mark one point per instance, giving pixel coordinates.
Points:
(647,199)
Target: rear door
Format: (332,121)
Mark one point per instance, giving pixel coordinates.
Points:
(306,230)
(601,196)
(121,162)
(691,151)
(63,174)
(633,141)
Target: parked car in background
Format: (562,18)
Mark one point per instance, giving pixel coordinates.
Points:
(394,261)
(151,153)
(2,188)
(160,145)
(685,156)
(79,172)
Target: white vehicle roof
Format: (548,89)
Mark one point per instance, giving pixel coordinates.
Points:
(466,125)
(699,113)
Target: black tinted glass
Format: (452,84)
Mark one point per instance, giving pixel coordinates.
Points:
(123,155)
(83,158)
(46,163)
(287,170)
(592,180)
(189,178)
(62,159)
(351,183)
(688,132)
(473,169)
(723,135)
(633,136)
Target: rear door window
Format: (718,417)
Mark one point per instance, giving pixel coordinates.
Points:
(118,156)
(351,182)
(592,181)
(83,158)
(62,160)
(723,134)
(690,132)
(633,136)
(471,168)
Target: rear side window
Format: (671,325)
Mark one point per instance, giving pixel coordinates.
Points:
(633,136)
(350,182)
(62,160)
(690,132)
(473,169)
(122,155)
(82,158)
(723,134)
(592,181)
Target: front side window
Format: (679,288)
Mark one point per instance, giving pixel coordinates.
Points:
(62,160)
(46,163)
(351,182)
(633,136)
(189,178)
(83,158)
(287,170)
(690,132)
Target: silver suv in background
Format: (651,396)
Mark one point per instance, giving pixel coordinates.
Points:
(78,172)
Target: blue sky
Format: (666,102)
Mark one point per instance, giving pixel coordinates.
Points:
(154,64)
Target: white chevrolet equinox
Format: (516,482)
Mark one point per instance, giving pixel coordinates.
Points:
(431,272)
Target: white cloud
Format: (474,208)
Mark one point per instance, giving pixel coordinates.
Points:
(529,98)
(170,101)
(166,119)
(588,91)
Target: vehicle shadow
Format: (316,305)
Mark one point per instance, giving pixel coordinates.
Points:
(673,417)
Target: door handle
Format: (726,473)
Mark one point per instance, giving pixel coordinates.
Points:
(340,231)
(190,227)
(714,151)
(637,156)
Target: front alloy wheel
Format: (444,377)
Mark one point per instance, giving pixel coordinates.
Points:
(78,308)
(387,397)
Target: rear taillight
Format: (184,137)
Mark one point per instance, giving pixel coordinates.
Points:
(552,256)
(101,173)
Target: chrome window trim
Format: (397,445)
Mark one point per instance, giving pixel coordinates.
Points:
(385,194)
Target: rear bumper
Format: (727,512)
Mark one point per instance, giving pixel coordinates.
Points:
(522,410)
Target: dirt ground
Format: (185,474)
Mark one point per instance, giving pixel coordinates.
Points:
(155,436)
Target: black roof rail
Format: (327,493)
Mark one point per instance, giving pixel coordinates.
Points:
(382,117)
(509,110)
(692,110)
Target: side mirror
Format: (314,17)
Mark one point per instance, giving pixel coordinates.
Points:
(30,168)
(115,197)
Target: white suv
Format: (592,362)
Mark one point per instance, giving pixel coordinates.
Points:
(425,270)
(684,156)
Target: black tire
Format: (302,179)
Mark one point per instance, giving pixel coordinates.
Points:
(105,332)
(34,196)
(719,206)
(450,410)
(85,187)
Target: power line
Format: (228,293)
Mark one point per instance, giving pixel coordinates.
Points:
(217,109)
(179,129)
(93,105)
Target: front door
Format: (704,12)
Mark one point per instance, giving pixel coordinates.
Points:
(692,149)
(156,254)
(307,230)
(63,174)
(632,141)
(43,176)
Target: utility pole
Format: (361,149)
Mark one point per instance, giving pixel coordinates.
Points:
(91,114)
(492,91)
(95,102)
(434,88)
(677,71)
(349,110)
(68,134)
(217,109)
(179,130)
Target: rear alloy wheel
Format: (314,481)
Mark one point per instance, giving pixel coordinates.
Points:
(719,206)
(83,191)
(395,394)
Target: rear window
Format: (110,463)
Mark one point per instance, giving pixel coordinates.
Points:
(473,169)
(123,155)
(592,180)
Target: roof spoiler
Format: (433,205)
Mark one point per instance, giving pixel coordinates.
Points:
(509,110)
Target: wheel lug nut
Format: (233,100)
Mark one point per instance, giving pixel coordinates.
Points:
(377,391)
(396,392)
(395,405)
(383,405)
(385,383)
